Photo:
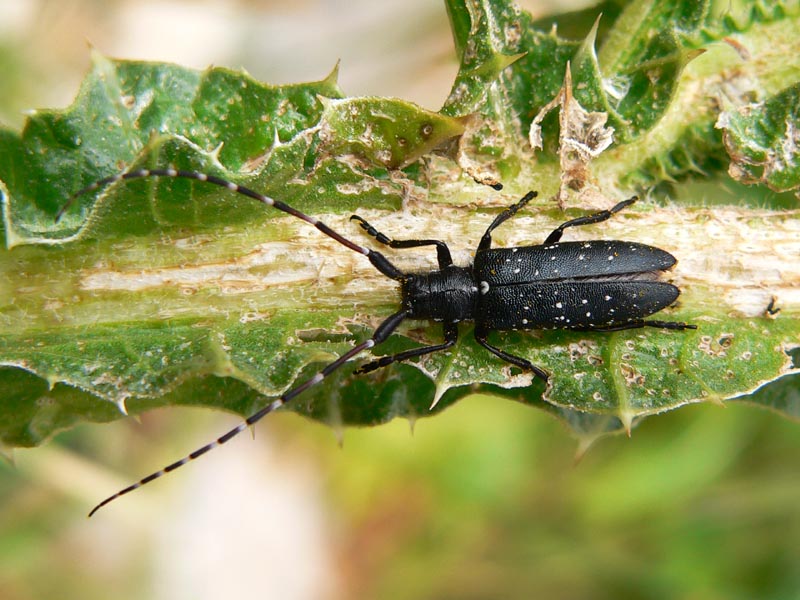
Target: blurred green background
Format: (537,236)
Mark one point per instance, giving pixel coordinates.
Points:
(485,501)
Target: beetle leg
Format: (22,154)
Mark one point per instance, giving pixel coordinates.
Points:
(598,217)
(642,323)
(450,337)
(771,309)
(518,361)
(442,251)
(669,325)
(486,240)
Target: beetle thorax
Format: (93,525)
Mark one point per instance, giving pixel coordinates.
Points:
(449,295)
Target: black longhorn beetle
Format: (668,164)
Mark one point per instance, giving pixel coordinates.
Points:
(600,285)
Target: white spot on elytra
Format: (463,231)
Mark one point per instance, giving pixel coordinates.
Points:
(484,287)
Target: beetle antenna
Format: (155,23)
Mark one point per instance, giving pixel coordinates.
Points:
(383,331)
(380,262)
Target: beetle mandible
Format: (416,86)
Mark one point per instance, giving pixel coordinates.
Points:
(600,285)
